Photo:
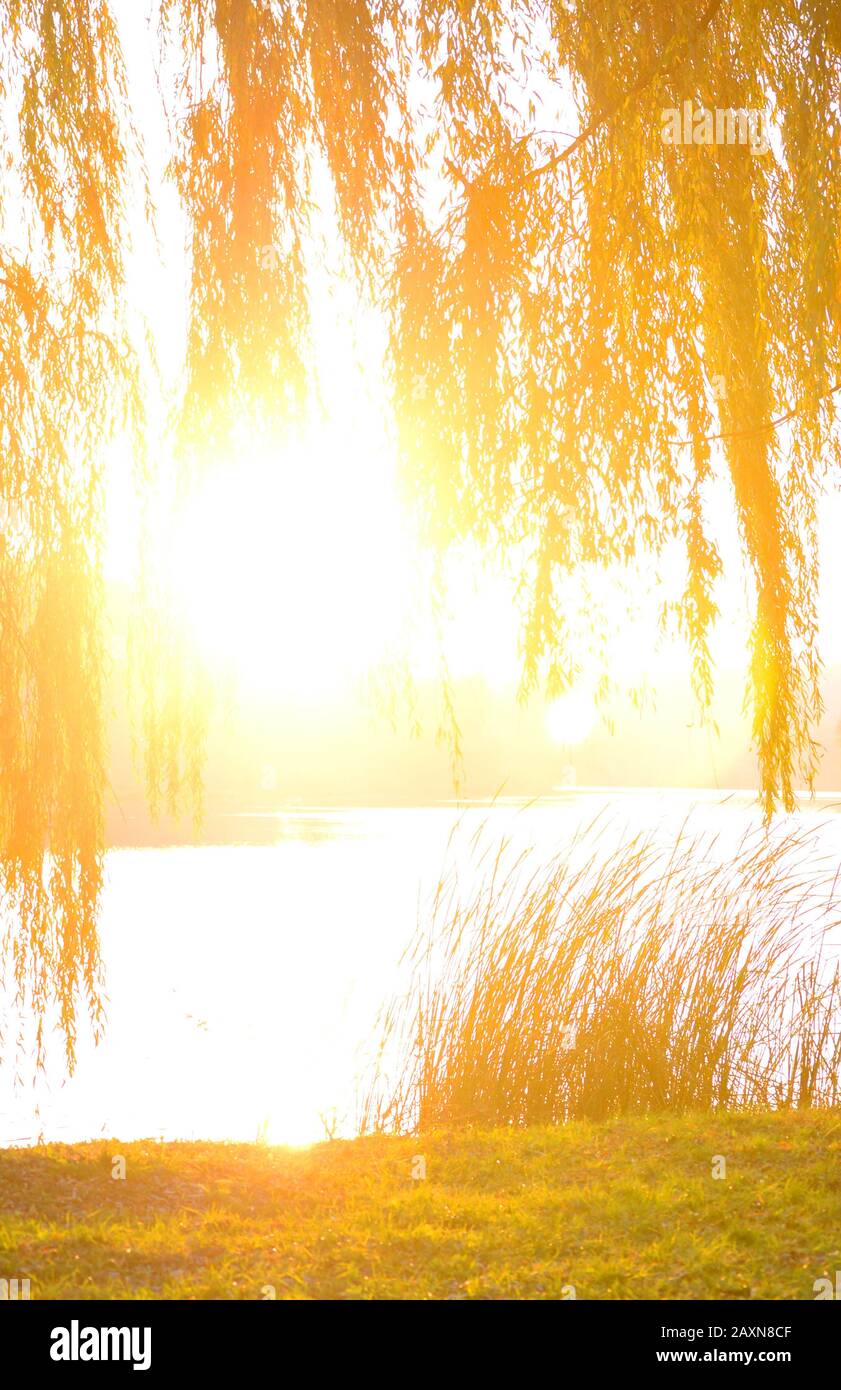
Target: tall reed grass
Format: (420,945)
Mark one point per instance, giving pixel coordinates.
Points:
(626,978)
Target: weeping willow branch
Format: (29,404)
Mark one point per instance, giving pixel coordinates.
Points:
(657,70)
(754,430)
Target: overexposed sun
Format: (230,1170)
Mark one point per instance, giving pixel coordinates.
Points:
(289,568)
(570,718)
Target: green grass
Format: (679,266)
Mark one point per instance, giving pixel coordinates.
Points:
(625,1209)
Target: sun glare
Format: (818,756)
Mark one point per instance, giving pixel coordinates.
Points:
(570,718)
(290,571)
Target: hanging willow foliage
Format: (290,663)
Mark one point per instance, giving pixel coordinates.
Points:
(68,379)
(263,89)
(586,330)
(593,328)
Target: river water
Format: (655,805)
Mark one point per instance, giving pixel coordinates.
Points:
(244,979)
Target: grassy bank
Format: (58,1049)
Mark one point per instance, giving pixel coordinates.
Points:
(625,1209)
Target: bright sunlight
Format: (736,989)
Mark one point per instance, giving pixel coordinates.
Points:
(291,572)
(570,718)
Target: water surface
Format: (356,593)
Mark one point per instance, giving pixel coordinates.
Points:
(244,979)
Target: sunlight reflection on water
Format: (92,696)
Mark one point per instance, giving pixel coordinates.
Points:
(244,980)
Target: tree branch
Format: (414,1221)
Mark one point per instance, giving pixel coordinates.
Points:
(754,429)
(601,117)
